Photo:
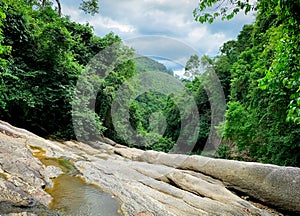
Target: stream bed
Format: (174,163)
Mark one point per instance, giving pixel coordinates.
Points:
(72,196)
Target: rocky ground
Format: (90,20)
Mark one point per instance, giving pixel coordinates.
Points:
(145,182)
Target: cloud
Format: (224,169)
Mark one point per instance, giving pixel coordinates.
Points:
(206,41)
(135,18)
(108,23)
(161,47)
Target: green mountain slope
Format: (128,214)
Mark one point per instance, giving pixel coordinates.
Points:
(146,64)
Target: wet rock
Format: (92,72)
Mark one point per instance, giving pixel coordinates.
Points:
(51,172)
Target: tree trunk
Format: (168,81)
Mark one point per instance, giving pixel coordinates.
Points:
(59,7)
(43,4)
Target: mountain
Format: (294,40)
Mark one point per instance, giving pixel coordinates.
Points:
(146,64)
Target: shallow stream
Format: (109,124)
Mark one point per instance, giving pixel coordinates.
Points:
(72,196)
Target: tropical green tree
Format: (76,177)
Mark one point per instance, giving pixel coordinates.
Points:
(262,119)
(42,57)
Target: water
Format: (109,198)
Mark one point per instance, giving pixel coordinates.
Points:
(72,196)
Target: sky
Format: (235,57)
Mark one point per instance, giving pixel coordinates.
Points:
(159,25)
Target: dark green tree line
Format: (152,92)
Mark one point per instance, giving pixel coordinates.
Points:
(262,120)
(42,56)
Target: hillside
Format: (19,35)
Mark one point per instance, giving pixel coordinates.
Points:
(146,64)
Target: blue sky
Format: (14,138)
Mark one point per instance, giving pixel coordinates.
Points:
(167,18)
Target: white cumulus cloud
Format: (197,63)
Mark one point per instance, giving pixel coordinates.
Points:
(134,18)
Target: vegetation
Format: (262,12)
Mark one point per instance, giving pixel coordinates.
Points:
(262,120)
(146,64)
(88,6)
(43,56)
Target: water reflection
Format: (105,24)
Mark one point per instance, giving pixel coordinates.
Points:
(72,196)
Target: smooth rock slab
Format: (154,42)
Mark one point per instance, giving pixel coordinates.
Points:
(146,183)
(274,185)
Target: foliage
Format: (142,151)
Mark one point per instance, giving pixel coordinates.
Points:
(124,68)
(226,9)
(90,6)
(4,51)
(43,56)
(48,54)
(263,110)
(224,151)
(146,64)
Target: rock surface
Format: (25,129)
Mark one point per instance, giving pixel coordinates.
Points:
(274,185)
(145,182)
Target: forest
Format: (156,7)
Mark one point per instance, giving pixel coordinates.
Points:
(43,54)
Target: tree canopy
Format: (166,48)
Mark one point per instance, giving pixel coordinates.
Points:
(43,56)
(262,120)
(209,10)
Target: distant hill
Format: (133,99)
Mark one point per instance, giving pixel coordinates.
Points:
(145,64)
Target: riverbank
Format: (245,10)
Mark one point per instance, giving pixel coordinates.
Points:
(142,182)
